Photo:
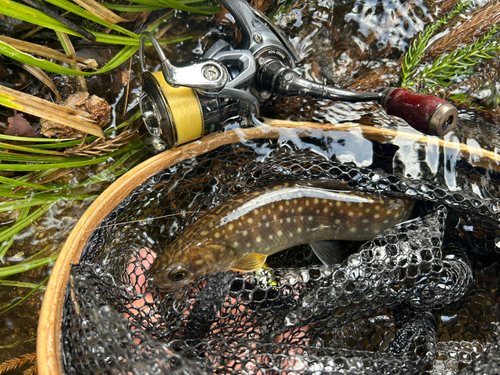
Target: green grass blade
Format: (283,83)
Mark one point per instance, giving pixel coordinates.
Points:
(132,46)
(20,284)
(23,223)
(13,53)
(13,182)
(78,10)
(136,144)
(31,202)
(25,297)
(26,139)
(132,8)
(4,247)
(28,14)
(11,156)
(9,146)
(23,267)
(177,5)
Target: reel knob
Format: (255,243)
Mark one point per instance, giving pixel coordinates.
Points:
(425,113)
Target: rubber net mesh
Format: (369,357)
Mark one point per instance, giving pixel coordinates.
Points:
(421,297)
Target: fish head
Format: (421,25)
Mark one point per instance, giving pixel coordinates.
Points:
(183,263)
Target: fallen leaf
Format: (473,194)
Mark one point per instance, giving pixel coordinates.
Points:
(19,127)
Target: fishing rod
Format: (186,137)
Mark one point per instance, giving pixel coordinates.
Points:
(181,104)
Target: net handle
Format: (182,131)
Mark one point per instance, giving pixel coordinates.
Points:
(48,337)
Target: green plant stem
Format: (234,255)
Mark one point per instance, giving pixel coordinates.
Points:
(136,144)
(19,268)
(8,146)
(25,297)
(30,202)
(4,247)
(23,223)
(14,183)
(20,284)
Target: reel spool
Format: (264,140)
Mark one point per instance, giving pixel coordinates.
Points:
(164,106)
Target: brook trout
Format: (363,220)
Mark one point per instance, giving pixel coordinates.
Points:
(240,234)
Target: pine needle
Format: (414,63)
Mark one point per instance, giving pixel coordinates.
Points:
(17,362)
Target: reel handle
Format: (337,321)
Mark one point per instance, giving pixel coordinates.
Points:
(425,113)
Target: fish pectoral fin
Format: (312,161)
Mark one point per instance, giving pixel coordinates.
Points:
(328,252)
(250,262)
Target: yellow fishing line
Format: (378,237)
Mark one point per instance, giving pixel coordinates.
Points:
(185,110)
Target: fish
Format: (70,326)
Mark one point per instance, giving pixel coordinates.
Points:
(241,233)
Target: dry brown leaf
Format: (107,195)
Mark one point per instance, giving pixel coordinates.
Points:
(19,126)
(33,105)
(97,108)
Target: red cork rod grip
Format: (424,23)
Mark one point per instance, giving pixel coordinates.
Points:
(425,113)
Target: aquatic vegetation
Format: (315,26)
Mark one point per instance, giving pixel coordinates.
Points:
(456,65)
(38,174)
(20,362)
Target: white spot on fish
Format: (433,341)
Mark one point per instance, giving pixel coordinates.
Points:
(350,214)
(299,230)
(230,226)
(245,232)
(338,221)
(288,220)
(365,221)
(386,221)
(360,204)
(217,235)
(376,216)
(338,203)
(250,220)
(280,233)
(325,210)
(256,212)
(271,236)
(267,225)
(235,244)
(310,218)
(307,202)
(316,200)
(353,230)
(281,207)
(377,207)
(264,217)
(258,239)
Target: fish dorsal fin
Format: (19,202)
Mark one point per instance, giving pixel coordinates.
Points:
(328,252)
(250,262)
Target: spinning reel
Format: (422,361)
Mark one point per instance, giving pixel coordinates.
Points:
(181,104)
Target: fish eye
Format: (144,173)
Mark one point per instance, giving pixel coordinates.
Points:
(178,274)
